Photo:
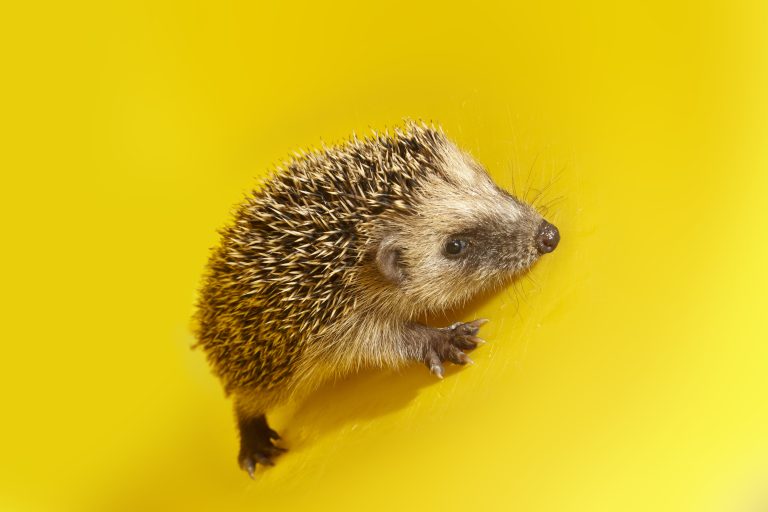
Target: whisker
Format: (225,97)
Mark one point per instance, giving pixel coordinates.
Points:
(528,182)
(536,286)
(555,201)
(554,180)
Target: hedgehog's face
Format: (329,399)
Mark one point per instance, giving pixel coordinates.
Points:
(466,236)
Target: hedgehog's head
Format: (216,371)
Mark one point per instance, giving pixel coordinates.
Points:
(465,235)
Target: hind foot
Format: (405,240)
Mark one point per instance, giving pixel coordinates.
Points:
(449,344)
(256,444)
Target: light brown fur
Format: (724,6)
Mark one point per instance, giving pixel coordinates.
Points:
(326,268)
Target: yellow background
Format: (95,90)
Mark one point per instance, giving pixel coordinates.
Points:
(629,373)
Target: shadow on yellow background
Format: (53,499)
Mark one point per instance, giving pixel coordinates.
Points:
(628,372)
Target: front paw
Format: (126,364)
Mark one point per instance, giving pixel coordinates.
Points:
(449,343)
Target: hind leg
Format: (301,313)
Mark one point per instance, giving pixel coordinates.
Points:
(256,441)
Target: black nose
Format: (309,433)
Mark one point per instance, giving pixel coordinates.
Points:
(547,237)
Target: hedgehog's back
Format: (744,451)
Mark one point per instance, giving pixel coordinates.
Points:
(283,269)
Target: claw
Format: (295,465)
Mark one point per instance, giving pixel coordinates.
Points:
(249,466)
(264,460)
(477,340)
(471,328)
(460,357)
(454,355)
(437,370)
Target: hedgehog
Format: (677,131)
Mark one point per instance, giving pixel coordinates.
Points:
(330,264)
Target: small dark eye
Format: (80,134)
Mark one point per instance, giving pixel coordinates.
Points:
(455,247)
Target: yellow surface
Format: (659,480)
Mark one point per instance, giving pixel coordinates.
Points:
(628,374)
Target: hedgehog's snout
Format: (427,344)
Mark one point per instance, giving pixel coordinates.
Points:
(547,237)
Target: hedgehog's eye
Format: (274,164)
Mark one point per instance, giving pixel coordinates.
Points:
(455,247)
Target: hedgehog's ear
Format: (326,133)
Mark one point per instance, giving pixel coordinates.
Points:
(389,260)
